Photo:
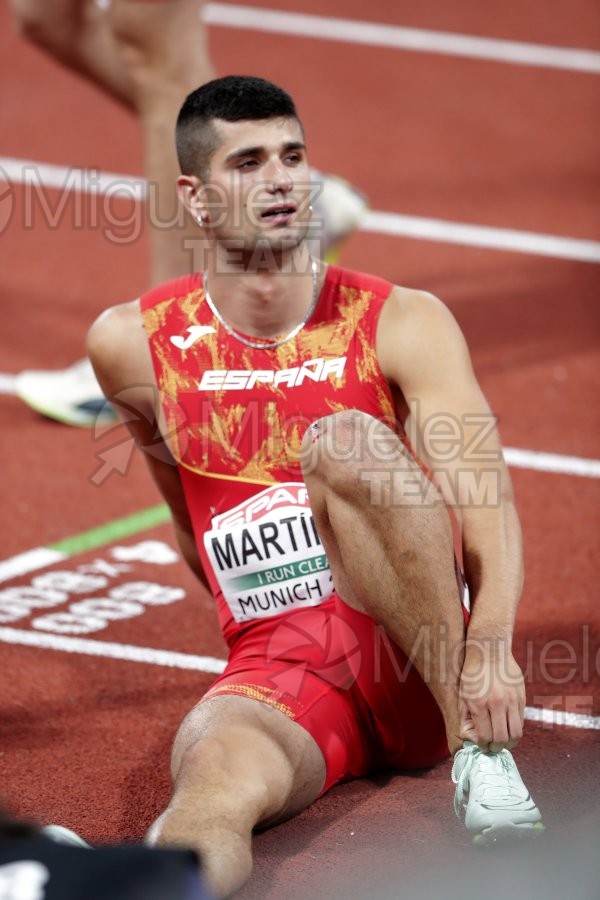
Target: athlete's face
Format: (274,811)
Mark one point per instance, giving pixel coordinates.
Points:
(258,190)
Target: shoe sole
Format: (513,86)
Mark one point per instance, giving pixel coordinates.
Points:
(508,833)
(64,836)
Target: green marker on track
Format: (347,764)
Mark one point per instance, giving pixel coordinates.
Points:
(39,557)
(113,531)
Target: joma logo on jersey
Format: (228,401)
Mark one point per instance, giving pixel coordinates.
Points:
(243,380)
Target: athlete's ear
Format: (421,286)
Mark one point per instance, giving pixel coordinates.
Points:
(191,194)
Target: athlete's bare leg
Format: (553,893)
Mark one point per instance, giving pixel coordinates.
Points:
(236,764)
(165,50)
(78,34)
(149,56)
(391,554)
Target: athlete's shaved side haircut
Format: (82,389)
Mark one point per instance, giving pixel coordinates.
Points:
(232,99)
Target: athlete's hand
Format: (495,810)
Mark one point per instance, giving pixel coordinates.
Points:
(491,696)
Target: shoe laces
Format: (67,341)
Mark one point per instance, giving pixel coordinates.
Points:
(497,770)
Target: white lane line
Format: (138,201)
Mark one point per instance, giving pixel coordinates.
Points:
(559,717)
(126,652)
(210,664)
(29,561)
(230,15)
(508,239)
(7,384)
(40,176)
(552,462)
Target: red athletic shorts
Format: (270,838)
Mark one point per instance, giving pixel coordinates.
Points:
(336,673)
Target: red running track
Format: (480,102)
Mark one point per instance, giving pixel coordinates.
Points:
(85,740)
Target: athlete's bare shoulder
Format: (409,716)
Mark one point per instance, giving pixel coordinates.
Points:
(411,308)
(118,348)
(417,333)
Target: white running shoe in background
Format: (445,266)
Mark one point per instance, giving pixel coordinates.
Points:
(498,806)
(72,395)
(338,209)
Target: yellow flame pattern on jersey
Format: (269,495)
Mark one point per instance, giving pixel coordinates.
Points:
(210,432)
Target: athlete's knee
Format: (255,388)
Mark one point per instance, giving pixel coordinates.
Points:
(213,767)
(346,450)
(359,459)
(162,47)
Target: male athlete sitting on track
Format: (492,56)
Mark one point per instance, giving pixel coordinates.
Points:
(288,390)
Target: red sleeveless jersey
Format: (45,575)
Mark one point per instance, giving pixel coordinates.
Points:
(235,419)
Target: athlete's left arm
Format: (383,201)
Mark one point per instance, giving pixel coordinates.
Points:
(422,350)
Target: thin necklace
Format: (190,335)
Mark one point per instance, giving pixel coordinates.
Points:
(265,345)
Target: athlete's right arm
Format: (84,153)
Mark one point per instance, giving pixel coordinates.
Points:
(118,349)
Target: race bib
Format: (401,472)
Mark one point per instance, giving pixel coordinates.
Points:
(267,556)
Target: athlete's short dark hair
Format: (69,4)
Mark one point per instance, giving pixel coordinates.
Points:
(233,99)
